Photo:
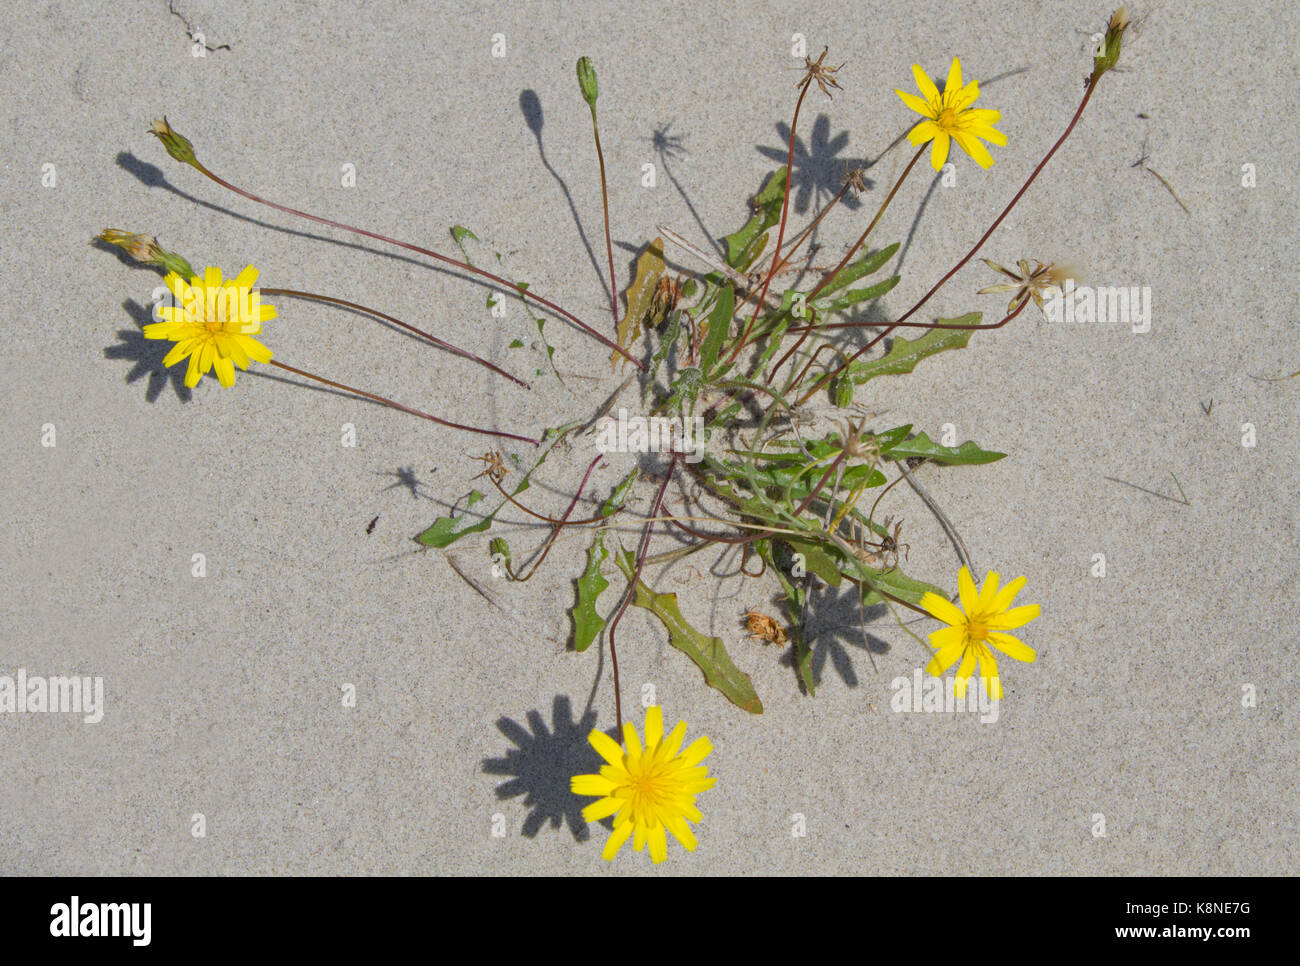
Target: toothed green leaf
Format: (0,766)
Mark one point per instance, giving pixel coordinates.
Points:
(904,354)
(968,453)
(709,653)
(587,624)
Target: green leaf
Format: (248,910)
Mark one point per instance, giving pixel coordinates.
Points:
(619,496)
(460,233)
(719,327)
(683,392)
(796,597)
(640,297)
(497,546)
(842,392)
(859,269)
(587,624)
(446,530)
(903,355)
(967,454)
(517,343)
(768,201)
(896,584)
(665,346)
(815,560)
(708,653)
(852,297)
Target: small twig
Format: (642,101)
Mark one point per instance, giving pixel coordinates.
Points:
(483,592)
(189,28)
(1164,496)
(1142,163)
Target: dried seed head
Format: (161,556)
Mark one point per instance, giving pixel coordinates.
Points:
(819,74)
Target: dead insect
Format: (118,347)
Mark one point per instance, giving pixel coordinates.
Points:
(496,466)
(370,528)
(765,628)
(668,292)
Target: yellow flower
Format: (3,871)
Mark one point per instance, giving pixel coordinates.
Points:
(213,324)
(647,790)
(950,116)
(969,634)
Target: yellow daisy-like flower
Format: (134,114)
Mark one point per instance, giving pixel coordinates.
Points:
(213,324)
(648,790)
(949,116)
(969,634)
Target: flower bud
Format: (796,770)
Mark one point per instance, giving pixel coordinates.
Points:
(146,250)
(177,145)
(587,81)
(1108,56)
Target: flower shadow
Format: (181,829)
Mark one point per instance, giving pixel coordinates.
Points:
(542,763)
(818,168)
(834,627)
(148,355)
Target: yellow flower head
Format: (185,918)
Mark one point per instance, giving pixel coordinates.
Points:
(949,116)
(969,634)
(213,324)
(647,790)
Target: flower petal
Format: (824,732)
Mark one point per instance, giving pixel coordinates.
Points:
(916,104)
(989,672)
(654,725)
(225,370)
(696,752)
(943,609)
(945,659)
(966,590)
(939,150)
(1016,617)
(975,148)
(990,588)
(601,809)
(658,844)
(632,742)
(1008,593)
(961,99)
(964,673)
(924,131)
(925,85)
(1013,647)
(245,279)
(952,86)
(606,747)
(948,636)
(616,840)
(597,785)
(682,832)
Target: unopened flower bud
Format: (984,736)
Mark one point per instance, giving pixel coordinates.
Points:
(587,81)
(146,250)
(1108,56)
(177,145)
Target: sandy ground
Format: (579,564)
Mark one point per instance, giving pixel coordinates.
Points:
(224,696)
